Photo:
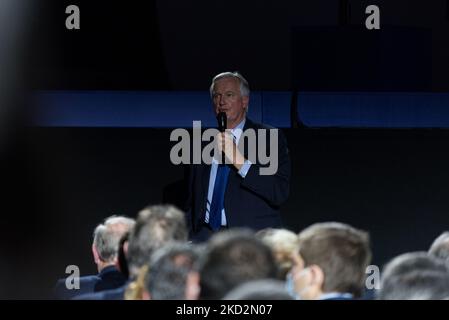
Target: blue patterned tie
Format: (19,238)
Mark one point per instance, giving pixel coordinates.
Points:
(221,180)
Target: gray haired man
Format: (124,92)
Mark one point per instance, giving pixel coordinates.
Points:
(105,245)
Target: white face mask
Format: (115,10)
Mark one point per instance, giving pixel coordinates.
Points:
(290,286)
(302,281)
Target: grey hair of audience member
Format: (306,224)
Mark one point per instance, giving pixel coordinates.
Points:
(266,289)
(168,270)
(107,236)
(414,276)
(155,226)
(440,247)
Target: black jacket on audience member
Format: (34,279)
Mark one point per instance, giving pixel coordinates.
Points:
(108,278)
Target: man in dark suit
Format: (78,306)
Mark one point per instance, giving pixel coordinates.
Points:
(238,193)
(155,227)
(105,251)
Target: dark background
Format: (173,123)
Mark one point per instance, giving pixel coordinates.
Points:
(60,182)
(180,45)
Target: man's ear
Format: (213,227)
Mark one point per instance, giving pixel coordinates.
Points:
(193,288)
(317,275)
(245,102)
(125,248)
(95,254)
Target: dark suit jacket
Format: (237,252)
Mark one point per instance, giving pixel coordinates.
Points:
(108,278)
(252,202)
(112,294)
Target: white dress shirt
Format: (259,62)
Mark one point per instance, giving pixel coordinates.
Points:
(236,132)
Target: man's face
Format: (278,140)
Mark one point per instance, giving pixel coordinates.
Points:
(308,281)
(227,98)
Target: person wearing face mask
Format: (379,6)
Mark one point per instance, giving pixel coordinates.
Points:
(332,262)
(284,245)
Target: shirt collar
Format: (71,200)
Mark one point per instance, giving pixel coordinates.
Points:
(237,131)
(333,295)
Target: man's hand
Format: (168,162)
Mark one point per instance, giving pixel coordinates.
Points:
(227,145)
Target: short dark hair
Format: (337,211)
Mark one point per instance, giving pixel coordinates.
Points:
(168,271)
(233,257)
(341,251)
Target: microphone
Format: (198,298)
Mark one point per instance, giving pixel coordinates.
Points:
(222,121)
(222,124)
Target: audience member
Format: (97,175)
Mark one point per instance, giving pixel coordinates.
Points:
(173,274)
(414,276)
(233,257)
(284,244)
(334,257)
(105,252)
(440,247)
(155,226)
(266,289)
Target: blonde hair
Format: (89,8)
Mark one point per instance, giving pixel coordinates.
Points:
(135,289)
(284,245)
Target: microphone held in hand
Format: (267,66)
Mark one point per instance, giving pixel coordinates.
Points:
(222,121)
(222,124)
